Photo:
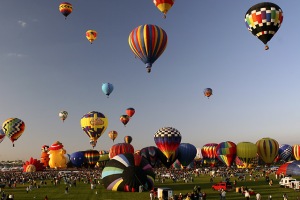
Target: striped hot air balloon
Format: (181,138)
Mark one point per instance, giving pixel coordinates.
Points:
(296,151)
(209,153)
(163,5)
(267,149)
(226,152)
(13,128)
(148,42)
(246,152)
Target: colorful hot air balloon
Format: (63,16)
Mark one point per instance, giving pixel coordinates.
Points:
(207,92)
(246,152)
(151,154)
(91,35)
(94,124)
(291,168)
(167,139)
(296,151)
(285,152)
(103,159)
(263,20)
(209,153)
(186,153)
(13,128)
(128,139)
(148,42)
(63,115)
(130,111)
(267,149)
(120,148)
(124,119)
(164,5)
(107,88)
(126,172)
(2,135)
(167,162)
(226,152)
(113,135)
(65,8)
(92,157)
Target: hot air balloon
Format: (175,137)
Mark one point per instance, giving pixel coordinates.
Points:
(63,115)
(126,172)
(33,165)
(103,158)
(77,158)
(65,8)
(207,92)
(246,152)
(94,124)
(92,157)
(2,135)
(120,148)
(186,153)
(113,135)
(91,35)
(128,139)
(167,139)
(164,5)
(45,156)
(151,154)
(167,162)
(13,128)
(267,149)
(209,153)
(124,119)
(130,111)
(291,168)
(263,20)
(285,152)
(148,42)
(296,151)
(226,152)
(107,88)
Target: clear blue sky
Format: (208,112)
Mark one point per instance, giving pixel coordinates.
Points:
(47,65)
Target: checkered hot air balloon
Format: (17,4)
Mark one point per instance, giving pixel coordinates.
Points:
(263,20)
(126,172)
(167,139)
(285,152)
(148,42)
(13,128)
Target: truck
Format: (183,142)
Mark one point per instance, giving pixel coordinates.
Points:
(227,186)
(285,182)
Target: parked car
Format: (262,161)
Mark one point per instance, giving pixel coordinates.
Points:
(227,186)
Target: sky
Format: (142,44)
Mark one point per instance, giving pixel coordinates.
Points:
(47,65)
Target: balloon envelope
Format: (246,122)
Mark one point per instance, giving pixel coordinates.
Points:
(285,152)
(78,158)
(226,152)
(151,154)
(120,148)
(65,8)
(163,5)
(126,172)
(263,20)
(130,111)
(291,168)
(207,92)
(148,42)
(107,88)
(246,152)
(94,124)
(209,153)
(167,139)
(63,115)
(13,128)
(186,153)
(91,35)
(128,139)
(113,135)
(124,119)
(267,149)
(2,135)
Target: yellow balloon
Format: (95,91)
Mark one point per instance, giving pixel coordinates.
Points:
(91,35)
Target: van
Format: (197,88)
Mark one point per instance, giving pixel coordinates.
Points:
(164,193)
(295,185)
(285,182)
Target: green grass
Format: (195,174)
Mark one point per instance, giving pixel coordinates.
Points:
(83,192)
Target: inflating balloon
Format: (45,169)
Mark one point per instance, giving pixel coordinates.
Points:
(127,172)
(263,20)
(148,42)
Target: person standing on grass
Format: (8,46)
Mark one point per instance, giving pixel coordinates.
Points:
(285,196)
(247,194)
(258,196)
(66,190)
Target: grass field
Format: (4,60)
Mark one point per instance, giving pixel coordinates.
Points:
(84,192)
